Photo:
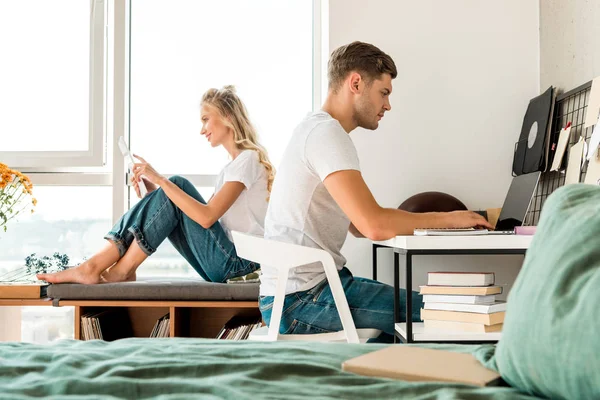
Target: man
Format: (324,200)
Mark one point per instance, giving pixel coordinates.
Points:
(319,194)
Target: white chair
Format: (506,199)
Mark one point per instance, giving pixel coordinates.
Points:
(285,256)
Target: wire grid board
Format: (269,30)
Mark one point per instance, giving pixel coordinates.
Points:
(569,107)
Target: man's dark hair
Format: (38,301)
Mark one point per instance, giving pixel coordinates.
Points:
(364,58)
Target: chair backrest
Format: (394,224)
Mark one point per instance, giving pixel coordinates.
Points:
(285,256)
(273,253)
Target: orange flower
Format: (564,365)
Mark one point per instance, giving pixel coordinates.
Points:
(18,184)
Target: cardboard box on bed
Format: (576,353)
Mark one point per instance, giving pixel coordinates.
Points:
(22,290)
(419,364)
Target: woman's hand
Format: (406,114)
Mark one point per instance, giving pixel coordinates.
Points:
(136,185)
(143,171)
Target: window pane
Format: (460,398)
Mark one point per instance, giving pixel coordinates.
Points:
(181,48)
(68,220)
(71,220)
(46,324)
(44,74)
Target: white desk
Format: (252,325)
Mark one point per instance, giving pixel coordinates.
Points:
(409,246)
(481,242)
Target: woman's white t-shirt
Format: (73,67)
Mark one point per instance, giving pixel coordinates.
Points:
(247,214)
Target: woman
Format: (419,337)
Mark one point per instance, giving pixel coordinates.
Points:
(173,208)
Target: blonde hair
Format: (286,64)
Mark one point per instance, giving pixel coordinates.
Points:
(235,116)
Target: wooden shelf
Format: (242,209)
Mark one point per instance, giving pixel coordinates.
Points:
(150,303)
(207,323)
(187,318)
(25,302)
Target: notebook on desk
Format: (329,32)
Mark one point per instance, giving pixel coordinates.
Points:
(515,207)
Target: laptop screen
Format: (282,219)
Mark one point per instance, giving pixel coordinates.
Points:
(517,201)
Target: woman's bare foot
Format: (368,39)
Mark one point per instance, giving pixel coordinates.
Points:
(84,273)
(115,275)
(124,269)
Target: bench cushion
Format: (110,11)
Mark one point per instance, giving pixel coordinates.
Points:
(184,289)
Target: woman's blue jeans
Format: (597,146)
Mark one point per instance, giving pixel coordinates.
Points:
(156,218)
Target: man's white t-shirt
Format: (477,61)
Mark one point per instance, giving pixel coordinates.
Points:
(301,210)
(247,214)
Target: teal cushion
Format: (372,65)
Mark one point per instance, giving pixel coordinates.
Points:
(551,337)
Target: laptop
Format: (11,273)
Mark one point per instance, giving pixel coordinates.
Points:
(514,210)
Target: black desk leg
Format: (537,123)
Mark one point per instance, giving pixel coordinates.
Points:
(409,338)
(396,291)
(375,247)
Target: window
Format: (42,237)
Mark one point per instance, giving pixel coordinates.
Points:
(71,65)
(46,324)
(68,220)
(264,48)
(181,48)
(52,80)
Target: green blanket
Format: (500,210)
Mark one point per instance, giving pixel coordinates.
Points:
(191,368)
(550,343)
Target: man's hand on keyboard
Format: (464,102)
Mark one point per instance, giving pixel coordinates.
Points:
(466,219)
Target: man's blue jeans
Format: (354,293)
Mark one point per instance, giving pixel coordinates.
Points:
(314,311)
(156,218)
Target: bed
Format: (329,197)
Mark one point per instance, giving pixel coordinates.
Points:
(183,368)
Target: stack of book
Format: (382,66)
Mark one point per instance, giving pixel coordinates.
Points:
(162,327)
(238,328)
(90,327)
(111,324)
(462,302)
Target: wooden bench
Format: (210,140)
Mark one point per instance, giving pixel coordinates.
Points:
(196,308)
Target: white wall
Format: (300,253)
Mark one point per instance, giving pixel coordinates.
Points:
(569,42)
(467,69)
(10,324)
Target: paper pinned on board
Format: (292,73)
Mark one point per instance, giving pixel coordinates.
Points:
(592,176)
(594,140)
(574,165)
(593,107)
(563,140)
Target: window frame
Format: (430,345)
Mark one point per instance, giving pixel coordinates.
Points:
(95,155)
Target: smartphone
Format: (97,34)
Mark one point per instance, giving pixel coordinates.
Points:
(130,161)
